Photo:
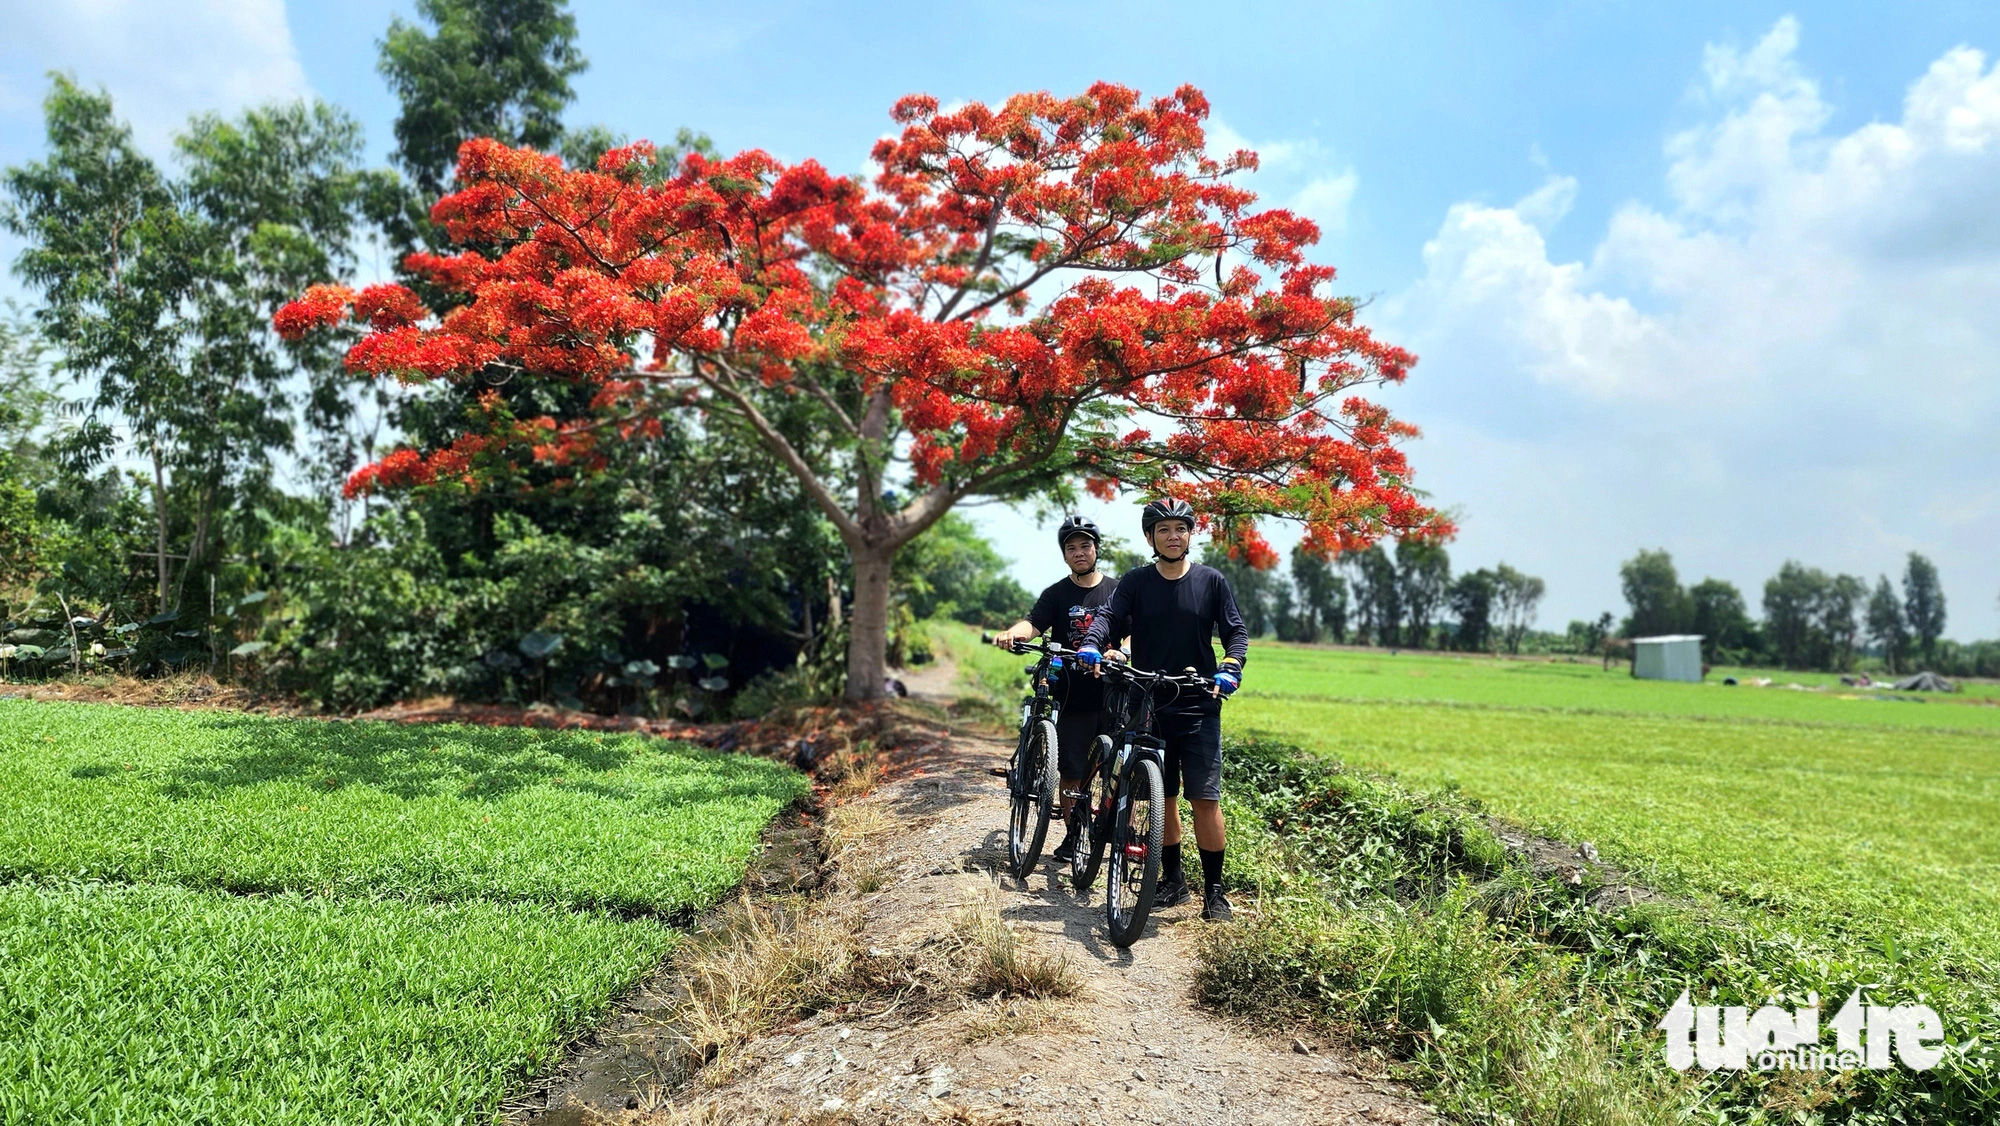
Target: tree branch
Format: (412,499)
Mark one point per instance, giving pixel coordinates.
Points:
(850,530)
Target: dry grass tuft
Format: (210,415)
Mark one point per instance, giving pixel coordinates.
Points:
(848,839)
(1016,1017)
(998,962)
(755,966)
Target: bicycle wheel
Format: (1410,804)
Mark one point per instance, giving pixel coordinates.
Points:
(1135,855)
(1092,827)
(1034,800)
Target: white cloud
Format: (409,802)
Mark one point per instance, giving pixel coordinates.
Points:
(161,62)
(1300,175)
(1796,355)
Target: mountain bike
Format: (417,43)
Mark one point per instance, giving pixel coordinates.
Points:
(1031,775)
(1128,814)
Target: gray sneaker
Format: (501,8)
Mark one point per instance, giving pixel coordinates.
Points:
(1172,892)
(1215,908)
(1066,851)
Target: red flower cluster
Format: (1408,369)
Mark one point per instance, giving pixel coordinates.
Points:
(1017,284)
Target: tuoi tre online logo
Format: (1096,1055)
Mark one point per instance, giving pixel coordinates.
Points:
(1776,1039)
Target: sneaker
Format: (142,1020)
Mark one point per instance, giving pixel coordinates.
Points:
(1172,892)
(1215,908)
(1066,851)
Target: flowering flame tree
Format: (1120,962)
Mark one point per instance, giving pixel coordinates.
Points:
(1053,291)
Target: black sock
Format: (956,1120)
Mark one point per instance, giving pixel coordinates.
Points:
(1211,868)
(1170,861)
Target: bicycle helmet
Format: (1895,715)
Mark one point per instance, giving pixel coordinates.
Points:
(1168,508)
(1075,526)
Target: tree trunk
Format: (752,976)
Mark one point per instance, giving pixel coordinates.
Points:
(868,639)
(160,529)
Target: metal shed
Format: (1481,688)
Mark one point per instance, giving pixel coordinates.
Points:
(1673,656)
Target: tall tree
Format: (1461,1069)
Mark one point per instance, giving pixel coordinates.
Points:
(1718,614)
(1378,599)
(1517,597)
(1923,604)
(1322,595)
(157,294)
(483,68)
(109,250)
(1653,591)
(1022,286)
(1423,574)
(1838,606)
(1886,627)
(1794,619)
(25,405)
(1472,598)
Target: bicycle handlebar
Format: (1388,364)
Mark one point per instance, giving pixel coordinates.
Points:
(1186,678)
(1038,645)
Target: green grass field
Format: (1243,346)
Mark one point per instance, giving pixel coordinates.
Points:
(1864,818)
(222,918)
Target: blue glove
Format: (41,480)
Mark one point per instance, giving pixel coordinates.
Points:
(1226,681)
(1088,656)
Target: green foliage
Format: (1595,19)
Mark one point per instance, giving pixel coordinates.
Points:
(161,1004)
(1923,604)
(1516,596)
(1809,617)
(1423,574)
(1717,613)
(1978,658)
(157,295)
(1378,598)
(1472,602)
(1653,591)
(484,68)
(950,571)
(1886,626)
(1322,599)
(248,804)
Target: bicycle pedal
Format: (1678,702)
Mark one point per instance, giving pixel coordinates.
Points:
(997,771)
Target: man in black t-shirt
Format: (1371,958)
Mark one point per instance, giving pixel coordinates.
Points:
(1066,611)
(1171,611)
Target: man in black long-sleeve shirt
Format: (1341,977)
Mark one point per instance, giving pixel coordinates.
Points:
(1172,610)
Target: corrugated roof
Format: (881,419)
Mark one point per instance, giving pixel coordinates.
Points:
(1668,637)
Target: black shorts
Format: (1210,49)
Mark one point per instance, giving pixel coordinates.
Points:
(1194,752)
(1076,732)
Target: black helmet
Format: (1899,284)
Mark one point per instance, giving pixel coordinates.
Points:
(1167,508)
(1074,526)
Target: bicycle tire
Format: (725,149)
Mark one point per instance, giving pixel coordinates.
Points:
(1028,825)
(1091,831)
(1128,920)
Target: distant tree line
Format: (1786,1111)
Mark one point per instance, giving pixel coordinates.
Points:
(1811,620)
(1408,598)
(1405,599)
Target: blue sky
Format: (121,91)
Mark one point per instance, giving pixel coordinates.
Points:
(1715,278)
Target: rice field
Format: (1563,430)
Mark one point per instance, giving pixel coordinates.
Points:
(215,917)
(1874,819)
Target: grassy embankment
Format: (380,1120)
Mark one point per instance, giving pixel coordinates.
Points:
(225,918)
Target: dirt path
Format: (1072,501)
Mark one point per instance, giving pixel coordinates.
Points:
(1133,1047)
